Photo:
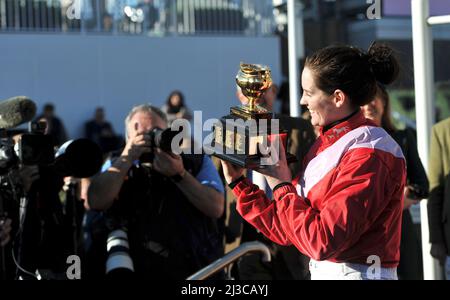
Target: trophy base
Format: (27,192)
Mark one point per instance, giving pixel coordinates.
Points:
(241,160)
(239,143)
(250,162)
(245,113)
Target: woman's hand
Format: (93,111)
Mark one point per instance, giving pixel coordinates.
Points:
(275,167)
(231,172)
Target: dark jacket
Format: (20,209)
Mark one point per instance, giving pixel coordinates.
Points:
(416,174)
(169,237)
(439,175)
(410,267)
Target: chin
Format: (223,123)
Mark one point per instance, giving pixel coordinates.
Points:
(371,115)
(315,123)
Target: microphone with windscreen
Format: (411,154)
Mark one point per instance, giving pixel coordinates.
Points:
(16,111)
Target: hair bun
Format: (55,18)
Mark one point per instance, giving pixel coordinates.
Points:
(383,62)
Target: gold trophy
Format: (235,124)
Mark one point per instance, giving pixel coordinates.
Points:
(240,136)
(254,81)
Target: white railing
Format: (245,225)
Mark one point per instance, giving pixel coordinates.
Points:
(425,108)
(231,257)
(142,17)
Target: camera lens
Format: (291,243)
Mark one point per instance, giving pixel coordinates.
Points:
(119,262)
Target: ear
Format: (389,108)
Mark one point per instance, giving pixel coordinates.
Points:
(340,98)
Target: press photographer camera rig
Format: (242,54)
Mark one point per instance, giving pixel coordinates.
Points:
(32,147)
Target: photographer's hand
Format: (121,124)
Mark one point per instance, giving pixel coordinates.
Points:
(168,164)
(137,146)
(105,187)
(204,198)
(5,229)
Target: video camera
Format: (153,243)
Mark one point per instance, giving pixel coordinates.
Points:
(28,147)
(81,158)
(34,147)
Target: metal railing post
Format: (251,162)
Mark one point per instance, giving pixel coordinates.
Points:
(294,78)
(424,87)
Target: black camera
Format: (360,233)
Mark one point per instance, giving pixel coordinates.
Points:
(36,148)
(32,148)
(161,139)
(416,192)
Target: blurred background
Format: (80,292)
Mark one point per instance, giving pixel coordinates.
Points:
(116,53)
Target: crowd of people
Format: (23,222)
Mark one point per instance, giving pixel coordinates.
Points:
(343,204)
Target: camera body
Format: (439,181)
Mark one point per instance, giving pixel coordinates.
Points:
(8,158)
(32,148)
(36,148)
(162,139)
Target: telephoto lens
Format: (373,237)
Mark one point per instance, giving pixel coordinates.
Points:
(119,263)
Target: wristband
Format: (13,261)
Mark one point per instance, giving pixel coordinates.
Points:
(279,186)
(236,182)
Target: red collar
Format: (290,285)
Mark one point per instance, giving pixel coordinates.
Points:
(339,130)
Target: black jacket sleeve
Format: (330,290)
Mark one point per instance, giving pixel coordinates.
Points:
(416,174)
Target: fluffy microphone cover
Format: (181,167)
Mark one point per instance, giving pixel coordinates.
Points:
(16,111)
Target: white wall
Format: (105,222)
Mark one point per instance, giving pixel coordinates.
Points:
(78,73)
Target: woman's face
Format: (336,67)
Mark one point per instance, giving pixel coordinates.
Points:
(321,106)
(175,100)
(374,110)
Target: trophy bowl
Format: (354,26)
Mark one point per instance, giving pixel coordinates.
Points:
(254,81)
(238,137)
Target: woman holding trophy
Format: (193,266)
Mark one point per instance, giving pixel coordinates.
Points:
(344,209)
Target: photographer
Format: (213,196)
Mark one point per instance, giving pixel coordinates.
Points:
(31,227)
(16,182)
(44,237)
(169,210)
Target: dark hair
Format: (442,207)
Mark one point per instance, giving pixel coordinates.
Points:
(175,109)
(353,70)
(49,107)
(386,119)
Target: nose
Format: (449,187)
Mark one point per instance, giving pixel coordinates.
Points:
(303,101)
